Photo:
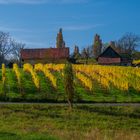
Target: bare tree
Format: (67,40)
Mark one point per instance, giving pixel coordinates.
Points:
(5,46)
(16,52)
(128,43)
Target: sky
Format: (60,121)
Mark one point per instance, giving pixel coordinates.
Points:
(37,22)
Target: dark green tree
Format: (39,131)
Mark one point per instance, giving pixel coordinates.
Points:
(86,54)
(76,53)
(97,46)
(136,55)
(59,40)
(68,83)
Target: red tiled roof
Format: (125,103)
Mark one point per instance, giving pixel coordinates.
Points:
(51,53)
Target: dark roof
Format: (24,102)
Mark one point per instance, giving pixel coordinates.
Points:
(110,53)
(125,55)
(44,53)
(111,56)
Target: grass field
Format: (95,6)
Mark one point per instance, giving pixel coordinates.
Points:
(55,122)
(47,93)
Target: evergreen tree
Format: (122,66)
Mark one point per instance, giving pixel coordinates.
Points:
(76,53)
(59,40)
(97,46)
(85,54)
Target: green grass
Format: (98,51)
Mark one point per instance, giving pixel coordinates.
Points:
(52,122)
(48,93)
(89,61)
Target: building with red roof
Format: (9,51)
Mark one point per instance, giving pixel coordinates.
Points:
(47,55)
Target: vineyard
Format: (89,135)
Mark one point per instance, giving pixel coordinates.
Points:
(92,83)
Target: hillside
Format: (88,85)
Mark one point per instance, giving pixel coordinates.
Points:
(92,83)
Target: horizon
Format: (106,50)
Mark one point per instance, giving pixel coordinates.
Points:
(36,23)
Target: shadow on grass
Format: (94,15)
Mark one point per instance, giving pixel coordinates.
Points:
(13,136)
(111,111)
(9,136)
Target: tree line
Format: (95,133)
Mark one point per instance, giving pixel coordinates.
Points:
(129,43)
